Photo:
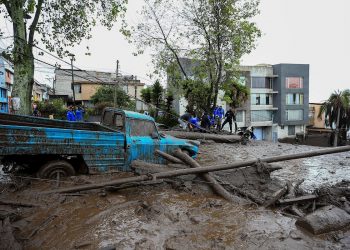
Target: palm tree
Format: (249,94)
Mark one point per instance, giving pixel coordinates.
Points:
(337,111)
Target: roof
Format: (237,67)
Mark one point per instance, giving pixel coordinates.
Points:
(135,115)
(132,114)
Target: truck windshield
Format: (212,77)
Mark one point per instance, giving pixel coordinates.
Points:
(142,128)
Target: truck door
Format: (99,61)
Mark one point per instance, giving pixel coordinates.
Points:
(143,140)
(115,155)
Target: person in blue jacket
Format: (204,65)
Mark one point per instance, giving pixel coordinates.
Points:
(70,114)
(79,114)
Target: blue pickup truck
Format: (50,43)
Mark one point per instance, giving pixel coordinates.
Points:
(52,148)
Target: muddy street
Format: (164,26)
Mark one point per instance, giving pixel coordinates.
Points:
(182,213)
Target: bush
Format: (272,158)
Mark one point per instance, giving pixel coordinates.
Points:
(55,107)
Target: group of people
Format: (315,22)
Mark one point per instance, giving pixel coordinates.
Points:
(75,114)
(207,121)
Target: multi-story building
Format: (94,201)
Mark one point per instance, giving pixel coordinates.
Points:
(39,92)
(86,84)
(278,103)
(6,82)
(292,100)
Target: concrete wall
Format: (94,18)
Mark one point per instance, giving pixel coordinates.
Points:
(314,121)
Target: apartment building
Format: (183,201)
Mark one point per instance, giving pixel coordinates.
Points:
(6,82)
(86,84)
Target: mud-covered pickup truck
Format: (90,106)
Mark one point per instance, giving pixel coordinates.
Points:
(52,148)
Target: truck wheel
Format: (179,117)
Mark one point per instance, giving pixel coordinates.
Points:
(55,170)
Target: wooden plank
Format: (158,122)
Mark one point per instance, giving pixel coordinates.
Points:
(298,199)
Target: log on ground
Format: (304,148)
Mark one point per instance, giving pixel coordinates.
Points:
(205,136)
(324,220)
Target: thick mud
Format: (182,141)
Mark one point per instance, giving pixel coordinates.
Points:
(185,215)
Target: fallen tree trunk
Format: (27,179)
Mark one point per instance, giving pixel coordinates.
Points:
(220,190)
(168,157)
(201,170)
(205,136)
(18,203)
(142,167)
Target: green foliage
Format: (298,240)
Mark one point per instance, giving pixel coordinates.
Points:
(61,24)
(106,93)
(55,107)
(214,34)
(236,94)
(337,104)
(146,94)
(157,93)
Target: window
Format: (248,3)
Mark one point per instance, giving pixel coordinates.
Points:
(261,83)
(239,116)
(3,93)
(291,130)
(142,128)
(261,99)
(294,115)
(77,88)
(108,118)
(118,122)
(295,99)
(294,82)
(261,115)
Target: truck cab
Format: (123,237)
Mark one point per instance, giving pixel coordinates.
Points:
(142,137)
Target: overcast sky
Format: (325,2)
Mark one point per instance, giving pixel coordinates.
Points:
(315,32)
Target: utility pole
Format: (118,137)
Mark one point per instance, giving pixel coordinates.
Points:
(72,86)
(116,83)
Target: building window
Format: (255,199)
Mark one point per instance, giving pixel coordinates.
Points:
(77,88)
(261,115)
(294,82)
(261,83)
(261,99)
(3,93)
(291,130)
(295,99)
(239,116)
(294,115)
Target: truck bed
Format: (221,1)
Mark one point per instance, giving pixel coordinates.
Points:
(97,145)
(32,121)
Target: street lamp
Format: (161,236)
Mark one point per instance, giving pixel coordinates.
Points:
(72,86)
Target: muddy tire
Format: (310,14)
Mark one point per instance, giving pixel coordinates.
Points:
(56,169)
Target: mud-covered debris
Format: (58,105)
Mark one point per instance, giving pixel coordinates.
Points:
(145,244)
(7,239)
(324,220)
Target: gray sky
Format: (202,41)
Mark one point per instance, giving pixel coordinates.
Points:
(315,32)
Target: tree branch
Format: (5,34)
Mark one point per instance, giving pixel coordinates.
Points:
(35,22)
(167,43)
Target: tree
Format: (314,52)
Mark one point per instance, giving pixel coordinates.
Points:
(157,94)
(146,94)
(105,95)
(236,94)
(215,34)
(337,111)
(60,24)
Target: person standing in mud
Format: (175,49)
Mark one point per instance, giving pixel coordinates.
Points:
(230,116)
